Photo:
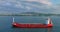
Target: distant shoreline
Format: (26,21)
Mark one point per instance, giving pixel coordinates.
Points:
(30,14)
(34,15)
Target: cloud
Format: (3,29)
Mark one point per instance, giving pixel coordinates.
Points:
(16,4)
(56,9)
(41,1)
(43,6)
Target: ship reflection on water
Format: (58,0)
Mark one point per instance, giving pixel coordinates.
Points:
(49,29)
(32,29)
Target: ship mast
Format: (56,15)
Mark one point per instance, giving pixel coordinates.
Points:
(13,19)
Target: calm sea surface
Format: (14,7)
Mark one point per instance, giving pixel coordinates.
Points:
(6,23)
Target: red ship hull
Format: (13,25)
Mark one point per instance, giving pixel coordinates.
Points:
(31,25)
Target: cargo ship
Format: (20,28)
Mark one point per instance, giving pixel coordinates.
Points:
(33,25)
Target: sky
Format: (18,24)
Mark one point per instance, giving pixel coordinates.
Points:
(39,6)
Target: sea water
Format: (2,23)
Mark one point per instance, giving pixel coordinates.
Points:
(6,23)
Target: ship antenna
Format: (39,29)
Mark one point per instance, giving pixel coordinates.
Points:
(13,19)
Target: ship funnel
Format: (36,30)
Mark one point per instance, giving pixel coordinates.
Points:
(49,21)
